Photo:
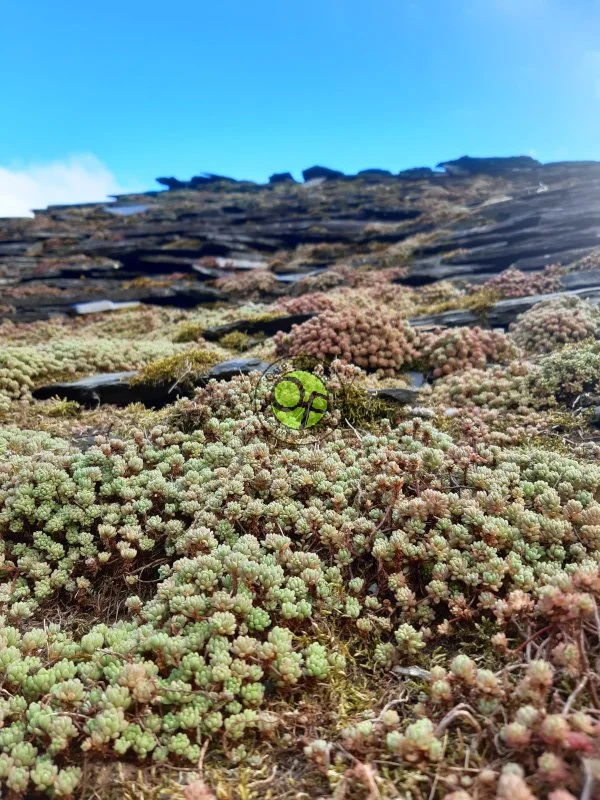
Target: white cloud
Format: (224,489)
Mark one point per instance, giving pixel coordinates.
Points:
(74,179)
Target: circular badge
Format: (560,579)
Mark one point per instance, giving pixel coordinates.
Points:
(295,399)
(300,399)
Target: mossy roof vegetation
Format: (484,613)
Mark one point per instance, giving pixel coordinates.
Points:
(405,606)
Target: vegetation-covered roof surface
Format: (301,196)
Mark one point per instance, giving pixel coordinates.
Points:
(399,601)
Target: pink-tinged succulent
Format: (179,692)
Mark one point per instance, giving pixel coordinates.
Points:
(554,730)
(579,742)
(561,794)
(383,342)
(253,283)
(537,681)
(591,261)
(418,743)
(552,768)
(376,277)
(512,785)
(513,282)
(457,349)
(516,735)
(308,303)
(553,323)
(463,668)
(328,279)
(495,387)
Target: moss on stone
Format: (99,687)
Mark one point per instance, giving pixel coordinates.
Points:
(188,332)
(183,368)
(236,340)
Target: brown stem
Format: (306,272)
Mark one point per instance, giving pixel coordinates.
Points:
(531,638)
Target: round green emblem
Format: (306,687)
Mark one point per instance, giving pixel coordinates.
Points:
(300,400)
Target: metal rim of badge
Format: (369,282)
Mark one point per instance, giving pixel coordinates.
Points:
(296,406)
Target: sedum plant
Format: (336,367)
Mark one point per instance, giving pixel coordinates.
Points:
(553,323)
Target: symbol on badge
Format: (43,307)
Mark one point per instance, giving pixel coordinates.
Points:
(300,400)
(297,399)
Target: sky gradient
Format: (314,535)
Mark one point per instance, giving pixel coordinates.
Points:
(105,97)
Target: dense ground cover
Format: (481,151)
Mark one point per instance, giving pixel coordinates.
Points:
(405,606)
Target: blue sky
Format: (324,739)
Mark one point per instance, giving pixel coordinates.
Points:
(102,97)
